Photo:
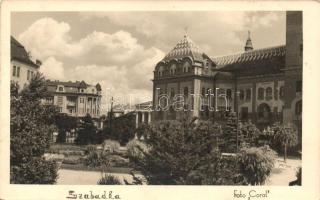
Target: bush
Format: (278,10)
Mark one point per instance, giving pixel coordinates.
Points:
(96,159)
(108,179)
(111,145)
(36,171)
(134,148)
(90,148)
(256,164)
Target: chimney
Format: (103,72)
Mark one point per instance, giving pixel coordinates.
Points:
(38,62)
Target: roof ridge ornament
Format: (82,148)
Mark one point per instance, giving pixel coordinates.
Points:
(248,46)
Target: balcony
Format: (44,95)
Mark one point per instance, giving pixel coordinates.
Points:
(71,104)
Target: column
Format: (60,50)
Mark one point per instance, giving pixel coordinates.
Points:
(137,119)
(142,117)
(149,117)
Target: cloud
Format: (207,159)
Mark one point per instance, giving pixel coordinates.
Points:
(47,37)
(207,29)
(53,69)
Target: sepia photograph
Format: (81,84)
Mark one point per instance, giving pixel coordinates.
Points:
(156,98)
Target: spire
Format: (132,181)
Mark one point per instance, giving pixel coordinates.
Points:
(248,46)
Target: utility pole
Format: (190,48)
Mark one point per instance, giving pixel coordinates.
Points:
(237,113)
(110,115)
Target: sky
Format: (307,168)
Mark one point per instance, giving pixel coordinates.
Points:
(119,50)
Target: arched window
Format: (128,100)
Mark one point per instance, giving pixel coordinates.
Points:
(298,108)
(261,93)
(269,93)
(203,92)
(264,113)
(185,91)
(241,95)
(229,92)
(172,93)
(173,69)
(248,94)
(160,71)
(186,67)
(281,92)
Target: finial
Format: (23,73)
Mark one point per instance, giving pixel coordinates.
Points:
(186,31)
(249,45)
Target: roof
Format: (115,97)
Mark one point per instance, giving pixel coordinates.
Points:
(144,105)
(249,56)
(66,84)
(19,53)
(185,48)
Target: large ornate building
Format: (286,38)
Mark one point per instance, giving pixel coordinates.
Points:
(263,85)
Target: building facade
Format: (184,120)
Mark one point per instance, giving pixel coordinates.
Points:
(77,99)
(261,85)
(22,67)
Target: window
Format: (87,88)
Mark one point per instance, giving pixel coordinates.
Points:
(281,92)
(203,91)
(269,93)
(82,90)
(60,89)
(298,108)
(31,74)
(172,69)
(14,72)
(18,71)
(172,93)
(244,113)
(186,67)
(160,71)
(229,93)
(241,95)
(28,75)
(186,91)
(248,94)
(92,90)
(60,109)
(261,93)
(60,100)
(299,86)
(81,100)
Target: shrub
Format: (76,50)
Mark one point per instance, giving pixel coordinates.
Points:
(90,148)
(111,145)
(255,164)
(108,179)
(134,148)
(96,159)
(36,171)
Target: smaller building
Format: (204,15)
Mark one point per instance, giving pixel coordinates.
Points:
(22,67)
(76,99)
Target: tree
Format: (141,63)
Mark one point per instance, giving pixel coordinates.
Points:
(122,129)
(31,126)
(256,164)
(229,139)
(286,135)
(86,131)
(249,134)
(184,152)
(64,124)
